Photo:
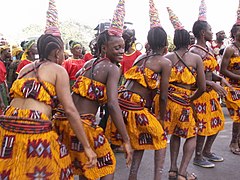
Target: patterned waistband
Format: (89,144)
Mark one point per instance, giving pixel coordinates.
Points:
(177,99)
(89,119)
(129,100)
(25,125)
(129,106)
(59,114)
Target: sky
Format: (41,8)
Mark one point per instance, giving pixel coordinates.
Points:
(18,14)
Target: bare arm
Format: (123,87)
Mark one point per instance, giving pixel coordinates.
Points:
(201,81)
(113,106)
(216,77)
(64,96)
(228,53)
(165,74)
(115,111)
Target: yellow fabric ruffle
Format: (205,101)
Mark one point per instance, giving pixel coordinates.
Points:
(137,73)
(179,119)
(144,130)
(12,111)
(30,156)
(210,64)
(18,88)
(233,103)
(233,62)
(209,113)
(112,134)
(184,76)
(98,142)
(83,86)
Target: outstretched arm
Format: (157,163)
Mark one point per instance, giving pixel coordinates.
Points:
(228,53)
(165,74)
(64,96)
(201,80)
(114,108)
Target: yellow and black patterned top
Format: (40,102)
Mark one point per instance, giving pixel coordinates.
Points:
(90,89)
(144,76)
(32,88)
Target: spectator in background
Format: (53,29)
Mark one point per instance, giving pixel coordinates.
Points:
(192,38)
(5,55)
(3,87)
(218,45)
(29,55)
(16,59)
(92,45)
(74,64)
(130,50)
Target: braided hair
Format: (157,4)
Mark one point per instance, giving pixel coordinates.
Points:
(102,39)
(129,38)
(234,30)
(198,26)
(47,43)
(157,38)
(181,38)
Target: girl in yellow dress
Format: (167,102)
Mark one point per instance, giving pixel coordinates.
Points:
(230,69)
(29,147)
(187,83)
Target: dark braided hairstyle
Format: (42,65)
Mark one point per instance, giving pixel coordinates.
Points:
(181,38)
(102,39)
(46,43)
(234,30)
(129,38)
(157,38)
(198,26)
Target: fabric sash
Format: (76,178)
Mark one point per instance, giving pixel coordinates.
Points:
(26,126)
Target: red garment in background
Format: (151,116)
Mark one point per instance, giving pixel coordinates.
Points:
(22,64)
(87,57)
(72,66)
(3,72)
(128,60)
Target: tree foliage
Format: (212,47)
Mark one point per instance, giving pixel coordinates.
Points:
(70,30)
(171,46)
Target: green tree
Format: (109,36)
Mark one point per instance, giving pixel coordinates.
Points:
(70,30)
(171,46)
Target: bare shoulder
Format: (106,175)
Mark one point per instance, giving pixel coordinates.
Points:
(165,61)
(111,66)
(89,63)
(26,68)
(230,48)
(53,70)
(169,55)
(139,58)
(195,56)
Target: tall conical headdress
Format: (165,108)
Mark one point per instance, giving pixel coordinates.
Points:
(116,27)
(238,14)
(153,14)
(52,20)
(202,11)
(174,20)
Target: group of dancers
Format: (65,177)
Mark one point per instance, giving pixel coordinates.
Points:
(50,129)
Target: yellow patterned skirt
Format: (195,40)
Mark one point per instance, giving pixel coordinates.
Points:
(233,103)
(144,130)
(179,119)
(112,134)
(209,113)
(30,149)
(106,161)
